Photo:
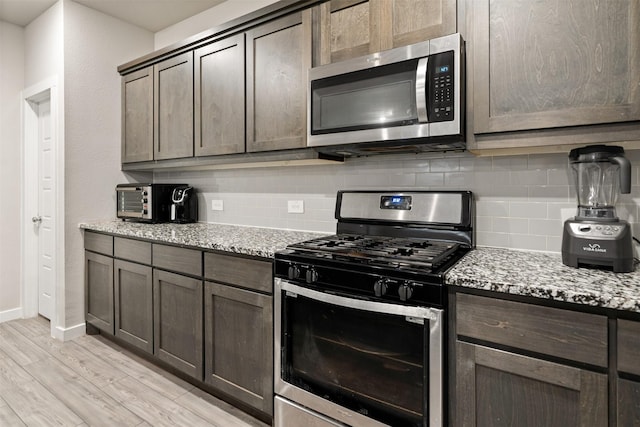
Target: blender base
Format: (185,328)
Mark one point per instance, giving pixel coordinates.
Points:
(607,245)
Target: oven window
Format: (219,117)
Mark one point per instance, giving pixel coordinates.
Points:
(129,201)
(369,362)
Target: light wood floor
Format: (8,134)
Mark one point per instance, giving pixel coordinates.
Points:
(92,382)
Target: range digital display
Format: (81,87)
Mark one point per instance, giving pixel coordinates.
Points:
(395,202)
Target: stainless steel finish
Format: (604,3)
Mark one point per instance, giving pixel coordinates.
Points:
(381,134)
(421,89)
(426,207)
(337,412)
(36,219)
(287,413)
(410,132)
(444,44)
(390,56)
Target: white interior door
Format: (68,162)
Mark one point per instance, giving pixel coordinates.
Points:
(43,220)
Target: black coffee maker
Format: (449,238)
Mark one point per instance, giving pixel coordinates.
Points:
(596,236)
(184,205)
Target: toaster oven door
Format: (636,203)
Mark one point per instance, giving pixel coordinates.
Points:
(134,202)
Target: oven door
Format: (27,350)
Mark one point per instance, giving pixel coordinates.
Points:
(359,362)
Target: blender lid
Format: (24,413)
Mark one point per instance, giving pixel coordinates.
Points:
(595,152)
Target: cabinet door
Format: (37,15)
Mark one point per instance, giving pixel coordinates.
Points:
(98,296)
(278,58)
(497,388)
(173,107)
(628,403)
(137,116)
(535,64)
(134,304)
(352,28)
(219,97)
(628,363)
(239,344)
(177,318)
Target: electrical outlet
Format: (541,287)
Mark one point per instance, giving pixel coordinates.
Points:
(217,205)
(295,206)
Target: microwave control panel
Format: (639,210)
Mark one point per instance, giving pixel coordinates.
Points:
(441,87)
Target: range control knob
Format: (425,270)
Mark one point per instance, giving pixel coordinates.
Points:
(311,276)
(380,287)
(293,272)
(405,291)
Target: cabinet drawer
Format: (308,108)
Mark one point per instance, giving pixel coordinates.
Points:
(97,242)
(561,333)
(187,261)
(247,273)
(629,346)
(132,250)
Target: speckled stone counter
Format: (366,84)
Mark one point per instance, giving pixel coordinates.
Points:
(262,242)
(543,275)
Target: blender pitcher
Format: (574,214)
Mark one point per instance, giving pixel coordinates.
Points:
(596,237)
(601,172)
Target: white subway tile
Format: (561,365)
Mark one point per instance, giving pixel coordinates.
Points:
(545,227)
(529,242)
(528,210)
(511,225)
(430,179)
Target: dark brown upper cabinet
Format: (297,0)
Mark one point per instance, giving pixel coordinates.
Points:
(137,116)
(278,57)
(544,68)
(351,28)
(219,97)
(173,107)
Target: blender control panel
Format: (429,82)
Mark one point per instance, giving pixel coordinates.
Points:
(597,230)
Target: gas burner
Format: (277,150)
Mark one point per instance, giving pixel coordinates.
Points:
(396,253)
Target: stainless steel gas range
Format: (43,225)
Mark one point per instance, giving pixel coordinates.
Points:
(360,316)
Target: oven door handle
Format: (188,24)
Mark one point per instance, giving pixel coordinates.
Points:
(413,312)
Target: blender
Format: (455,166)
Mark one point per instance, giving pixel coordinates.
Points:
(596,237)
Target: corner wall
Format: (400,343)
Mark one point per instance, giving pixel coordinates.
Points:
(94,45)
(11,85)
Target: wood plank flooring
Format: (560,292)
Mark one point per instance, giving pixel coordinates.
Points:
(92,382)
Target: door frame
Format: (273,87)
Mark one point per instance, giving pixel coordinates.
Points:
(46,89)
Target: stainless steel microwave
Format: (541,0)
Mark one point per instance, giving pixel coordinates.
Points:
(405,99)
(144,202)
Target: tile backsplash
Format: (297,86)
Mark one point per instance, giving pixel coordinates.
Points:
(521,201)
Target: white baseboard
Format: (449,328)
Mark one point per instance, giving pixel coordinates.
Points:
(67,334)
(12,314)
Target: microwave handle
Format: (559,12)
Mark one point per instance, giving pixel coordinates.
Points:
(421,90)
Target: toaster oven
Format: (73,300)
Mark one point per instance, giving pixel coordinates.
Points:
(144,202)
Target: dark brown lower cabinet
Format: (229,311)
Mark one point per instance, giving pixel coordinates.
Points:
(498,388)
(628,403)
(177,318)
(134,304)
(239,344)
(98,270)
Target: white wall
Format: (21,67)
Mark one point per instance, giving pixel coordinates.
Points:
(94,45)
(43,47)
(11,83)
(224,12)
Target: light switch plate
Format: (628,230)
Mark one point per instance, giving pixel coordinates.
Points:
(295,206)
(217,205)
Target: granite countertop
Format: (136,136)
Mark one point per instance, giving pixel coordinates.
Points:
(262,242)
(533,274)
(543,275)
